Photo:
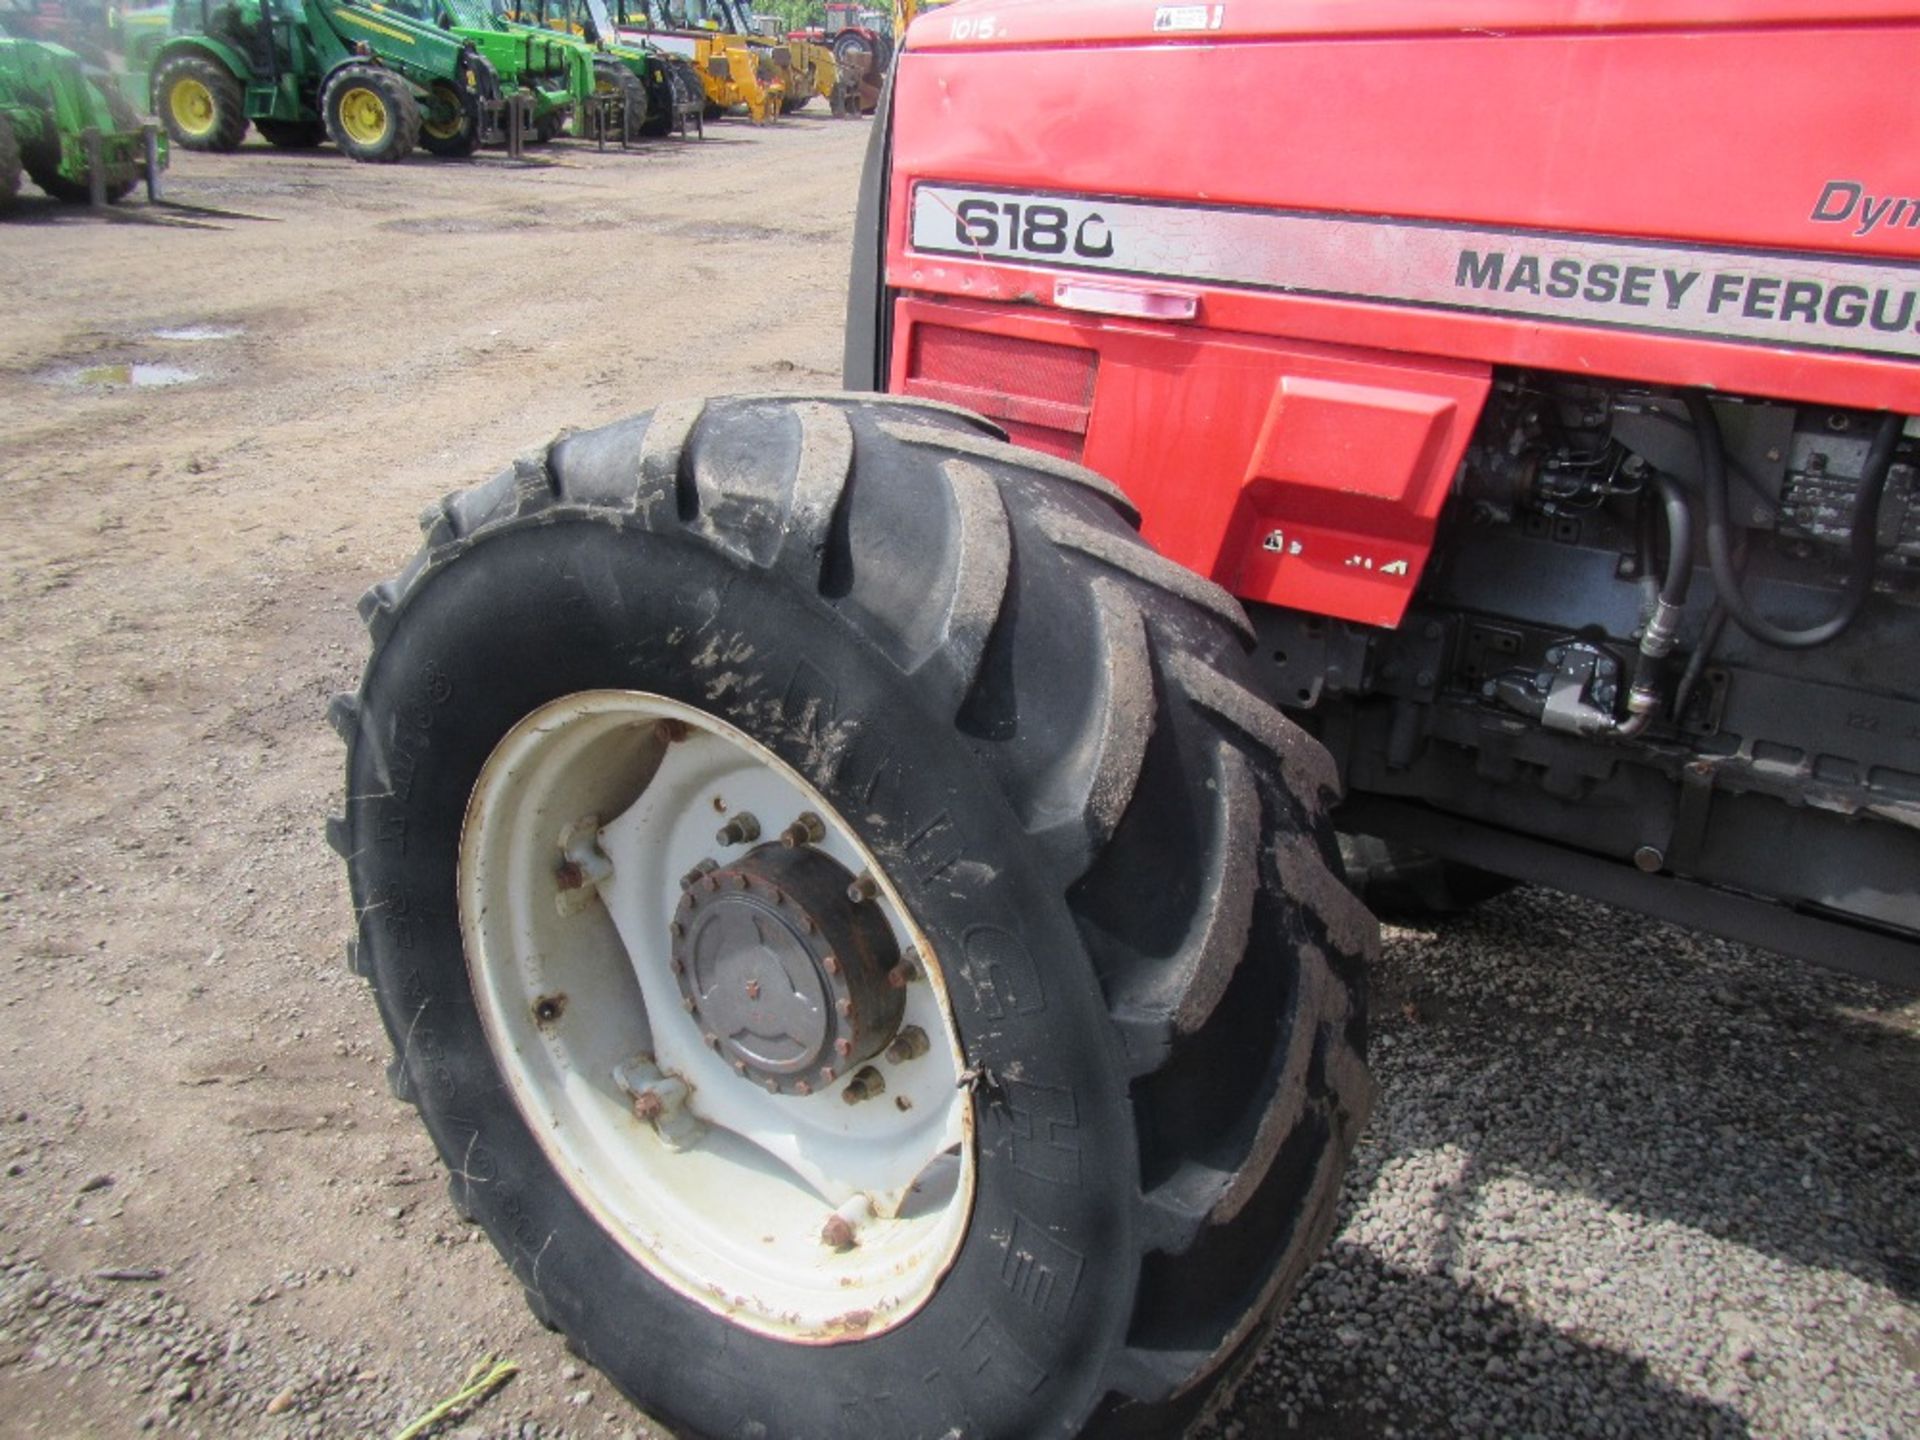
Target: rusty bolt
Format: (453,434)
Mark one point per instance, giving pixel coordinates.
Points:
(569,876)
(742,829)
(830,964)
(808,829)
(845,1007)
(648,1106)
(801,1087)
(694,876)
(667,732)
(773,1087)
(547,1009)
(686,1003)
(753,989)
(739,1067)
(902,1103)
(901,975)
(828,1074)
(843,1047)
(863,888)
(866,1083)
(910,1044)
(713,1040)
(676,929)
(837,1233)
(678,966)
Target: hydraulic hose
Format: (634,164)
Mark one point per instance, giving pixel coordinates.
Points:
(1861,543)
(1657,636)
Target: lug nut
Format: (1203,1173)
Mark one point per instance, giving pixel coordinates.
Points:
(903,974)
(863,888)
(698,873)
(866,1083)
(742,829)
(841,1232)
(668,732)
(910,1044)
(808,829)
(843,1047)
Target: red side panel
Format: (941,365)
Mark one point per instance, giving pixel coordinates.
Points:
(1272,249)
(1300,474)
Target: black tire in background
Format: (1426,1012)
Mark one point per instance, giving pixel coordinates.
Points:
(401,131)
(1400,882)
(611,75)
(292,134)
(1052,738)
(229,102)
(452,124)
(9,165)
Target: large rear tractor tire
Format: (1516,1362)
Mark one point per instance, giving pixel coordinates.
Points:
(452,123)
(371,115)
(292,134)
(201,103)
(611,77)
(9,166)
(1401,882)
(867,954)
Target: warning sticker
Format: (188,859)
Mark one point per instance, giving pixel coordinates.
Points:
(1188,17)
(1810,301)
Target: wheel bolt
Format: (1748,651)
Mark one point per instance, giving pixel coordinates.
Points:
(843,1047)
(863,888)
(808,829)
(828,1074)
(742,829)
(866,1083)
(699,872)
(910,1044)
(667,732)
(905,972)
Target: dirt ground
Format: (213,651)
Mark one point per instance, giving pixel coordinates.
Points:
(214,1220)
(180,569)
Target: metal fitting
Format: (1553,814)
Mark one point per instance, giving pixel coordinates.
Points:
(866,1084)
(698,873)
(807,829)
(910,1044)
(742,829)
(842,1230)
(863,888)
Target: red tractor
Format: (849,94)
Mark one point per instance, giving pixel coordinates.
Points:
(852,879)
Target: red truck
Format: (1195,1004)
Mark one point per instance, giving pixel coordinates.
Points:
(852,879)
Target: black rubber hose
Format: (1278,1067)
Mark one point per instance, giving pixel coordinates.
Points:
(1866,524)
(1679,572)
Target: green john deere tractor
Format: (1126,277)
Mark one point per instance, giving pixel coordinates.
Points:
(67,126)
(375,81)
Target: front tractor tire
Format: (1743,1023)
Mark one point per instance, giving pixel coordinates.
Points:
(371,114)
(201,103)
(865,951)
(453,122)
(629,119)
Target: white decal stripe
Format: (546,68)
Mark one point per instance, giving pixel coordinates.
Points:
(1814,301)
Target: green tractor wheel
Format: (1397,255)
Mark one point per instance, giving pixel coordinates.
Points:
(41,155)
(371,114)
(292,134)
(611,77)
(9,165)
(547,126)
(452,123)
(200,103)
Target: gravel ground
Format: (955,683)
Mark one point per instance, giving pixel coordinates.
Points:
(1621,1180)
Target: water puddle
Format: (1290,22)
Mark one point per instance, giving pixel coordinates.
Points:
(137,376)
(194,333)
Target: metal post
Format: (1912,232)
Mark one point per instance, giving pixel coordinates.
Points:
(96,168)
(516,125)
(150,139)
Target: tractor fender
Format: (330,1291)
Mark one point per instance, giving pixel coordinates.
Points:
(413,82)
(218,51)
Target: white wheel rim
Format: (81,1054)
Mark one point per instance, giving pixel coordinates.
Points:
(572,1002)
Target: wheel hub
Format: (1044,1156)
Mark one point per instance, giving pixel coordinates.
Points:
(792,980)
